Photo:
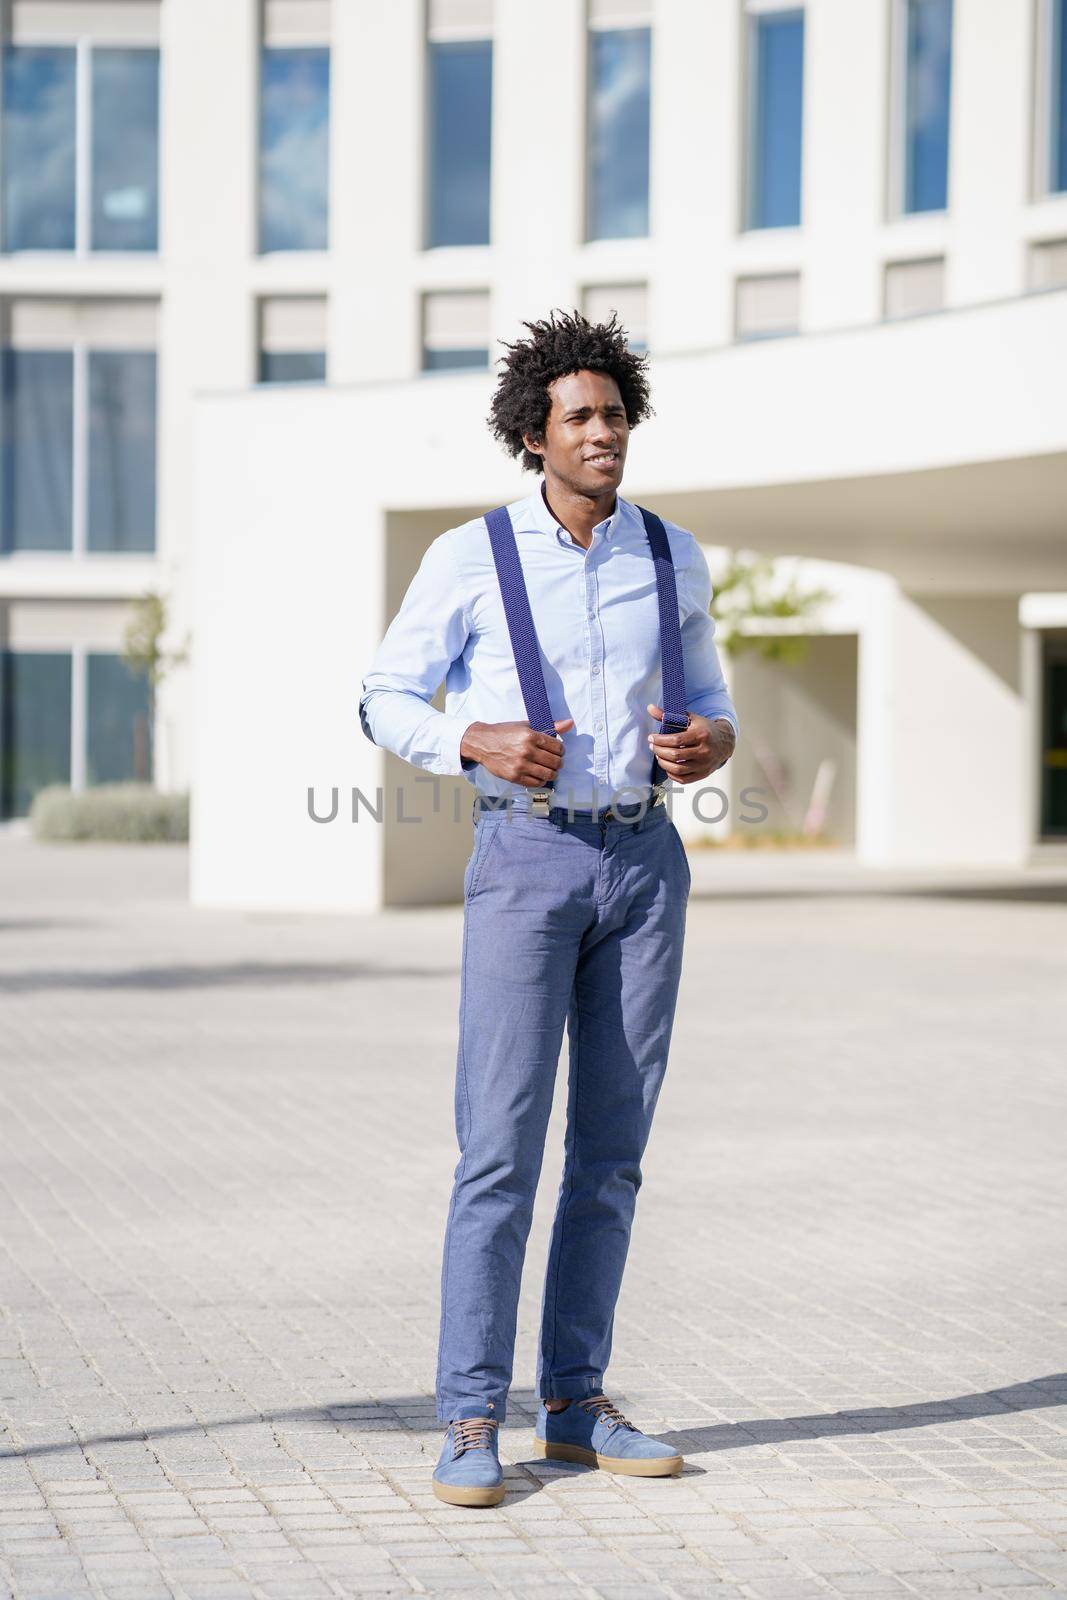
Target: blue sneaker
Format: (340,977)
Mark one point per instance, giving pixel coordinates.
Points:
(595,1433)
(468,1472)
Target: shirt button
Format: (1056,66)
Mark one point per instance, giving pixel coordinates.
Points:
(595,671)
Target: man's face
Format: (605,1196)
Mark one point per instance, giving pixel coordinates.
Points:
(586,433)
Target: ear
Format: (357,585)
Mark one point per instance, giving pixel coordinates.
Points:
(534,444)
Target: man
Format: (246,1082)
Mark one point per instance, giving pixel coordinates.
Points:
(574,908)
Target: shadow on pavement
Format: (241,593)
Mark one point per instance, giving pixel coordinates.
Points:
(241,974)
(1034,1395)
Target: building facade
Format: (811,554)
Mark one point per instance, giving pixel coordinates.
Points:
(255,259)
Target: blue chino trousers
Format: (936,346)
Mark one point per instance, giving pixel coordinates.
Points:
(567,921)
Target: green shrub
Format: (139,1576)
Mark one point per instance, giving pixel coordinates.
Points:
(130,813)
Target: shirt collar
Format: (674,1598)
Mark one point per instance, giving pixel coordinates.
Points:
(543,519)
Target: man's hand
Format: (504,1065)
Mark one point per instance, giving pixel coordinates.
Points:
(513,750)
(697,751)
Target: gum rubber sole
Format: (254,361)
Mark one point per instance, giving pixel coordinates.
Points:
(631,1466)
(468,1494)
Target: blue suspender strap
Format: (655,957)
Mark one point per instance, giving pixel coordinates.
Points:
(527,652)
(672,665)
(524,644)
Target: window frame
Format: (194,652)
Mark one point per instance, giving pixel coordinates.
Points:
(78,731)
(751,12)
(83,45)
(81,347)
(477,33)
(897,132)
(1049,109)
(640,24)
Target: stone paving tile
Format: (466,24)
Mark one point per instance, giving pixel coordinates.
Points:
(220,1246)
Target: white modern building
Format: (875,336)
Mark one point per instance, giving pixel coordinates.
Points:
(254,262)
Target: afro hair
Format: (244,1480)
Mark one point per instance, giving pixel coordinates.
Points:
(562,343)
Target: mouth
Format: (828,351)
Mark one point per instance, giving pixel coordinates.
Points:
(605,458)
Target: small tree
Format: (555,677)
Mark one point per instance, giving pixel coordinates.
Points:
(746,589)
(143,652)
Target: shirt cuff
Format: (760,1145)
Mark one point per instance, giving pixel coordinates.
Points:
(450,761)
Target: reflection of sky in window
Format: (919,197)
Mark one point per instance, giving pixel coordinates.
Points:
(35,701)
(460,117)
(125,149)
(776,119)
(294,150)
(38,145)
(620,62)
(927,108)
(38,432)
(1058,166)
(122,450)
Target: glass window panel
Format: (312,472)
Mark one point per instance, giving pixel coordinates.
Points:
(38,147)
(776,119)
(125,153)
(1058,98)
(122,450)
(294,149)
(292,366)
(448,360)
(118,743)
(619,120)
(926,107)
(35,697)
(460,135)
(38,431)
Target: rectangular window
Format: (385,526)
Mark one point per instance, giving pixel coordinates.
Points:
(37,423)
(455,330)
(459,122)
(39,164)
(1048,264)
(78,421)
(294,126)
(80,126)
(292,339)
(775,120)
(924,29)
(125,149)
(117,733)
(628,301)
(619,118)
(35,707)
(768,306)
(1052,98)
(913,288)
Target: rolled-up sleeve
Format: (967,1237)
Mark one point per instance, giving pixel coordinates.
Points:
(706,691)
(427,634)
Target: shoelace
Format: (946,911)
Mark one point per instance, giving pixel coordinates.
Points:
(472,1433)
(604,1411)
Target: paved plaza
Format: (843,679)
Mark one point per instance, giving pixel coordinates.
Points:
(227,1148)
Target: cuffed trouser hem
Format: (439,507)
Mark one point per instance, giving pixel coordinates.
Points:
(445,1413)
(569,1388)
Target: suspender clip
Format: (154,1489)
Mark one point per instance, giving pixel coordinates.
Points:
(540,800)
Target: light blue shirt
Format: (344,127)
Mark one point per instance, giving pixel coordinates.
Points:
(596,615)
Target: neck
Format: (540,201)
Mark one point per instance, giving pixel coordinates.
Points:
(578,513)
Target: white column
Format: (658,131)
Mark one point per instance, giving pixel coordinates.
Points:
(377,111)
(538,196)
(991,132)
(695,174)
(943,732)
(845,84)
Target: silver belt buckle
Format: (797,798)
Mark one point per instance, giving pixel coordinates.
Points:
(539,802)
(658,796)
